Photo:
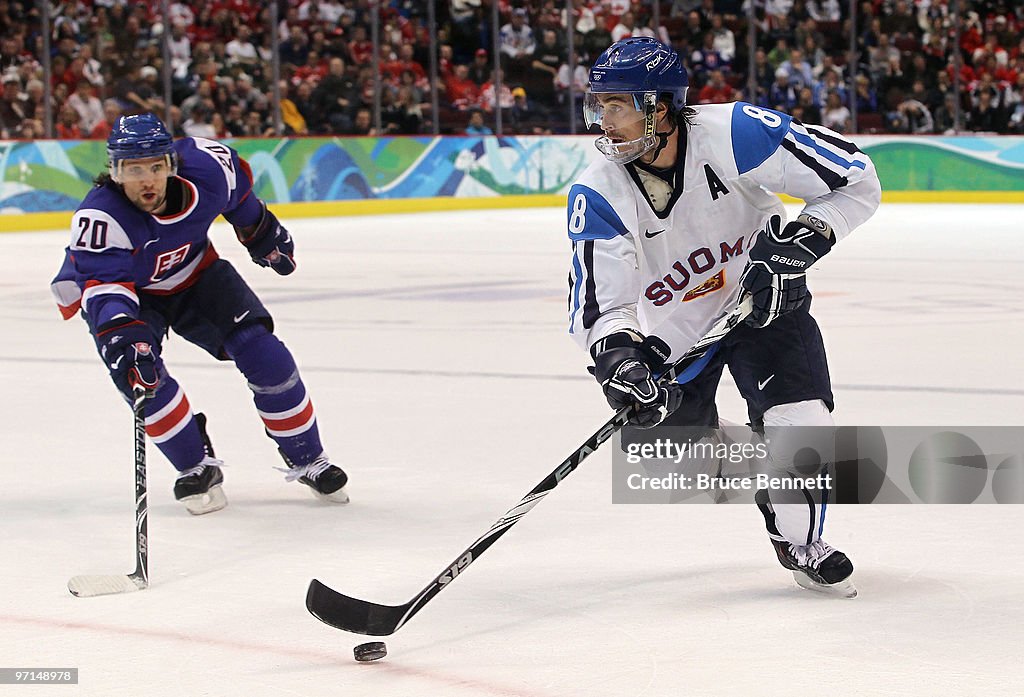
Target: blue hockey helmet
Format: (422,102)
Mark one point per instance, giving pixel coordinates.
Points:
(646,70)
(137,137)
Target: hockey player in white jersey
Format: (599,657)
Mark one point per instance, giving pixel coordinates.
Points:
(674,227)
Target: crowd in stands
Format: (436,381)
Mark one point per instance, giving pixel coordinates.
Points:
(107,60)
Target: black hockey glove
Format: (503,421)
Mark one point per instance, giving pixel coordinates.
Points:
(126,345)
(269,243)
(775,274)
(624,365)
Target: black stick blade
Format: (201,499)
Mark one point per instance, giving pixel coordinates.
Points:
(351,614)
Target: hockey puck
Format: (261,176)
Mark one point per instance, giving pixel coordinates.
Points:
(370,651)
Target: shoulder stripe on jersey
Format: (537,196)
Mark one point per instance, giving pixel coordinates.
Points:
(753,139)
(591,310)
(805,139)
(840,143)
(832,180)
(591,216)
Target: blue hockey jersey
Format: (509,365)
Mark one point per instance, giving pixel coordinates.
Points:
(118,251)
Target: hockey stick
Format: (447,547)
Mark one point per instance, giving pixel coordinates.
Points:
(90,585)
(362,617)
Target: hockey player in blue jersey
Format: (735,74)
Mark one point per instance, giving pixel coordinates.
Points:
(676,225)
(140,263)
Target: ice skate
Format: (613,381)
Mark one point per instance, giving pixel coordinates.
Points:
(199,488)
(327,481)
(818,567)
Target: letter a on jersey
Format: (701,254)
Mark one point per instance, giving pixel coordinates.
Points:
(715,185)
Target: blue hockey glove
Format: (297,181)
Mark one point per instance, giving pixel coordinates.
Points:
(623,365)
(775,273)
(269,243)
(126,346)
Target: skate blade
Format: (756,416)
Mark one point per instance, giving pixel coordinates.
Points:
(843,589)
(200,504)
(339,496)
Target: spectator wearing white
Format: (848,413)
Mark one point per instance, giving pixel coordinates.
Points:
(240,50)
(824,10)
(111,113)
(331,11)
(777,13)
(835,115)
(462,10)
(827,65)
(181,52)
(580,80)
(88,107)
(35,93)
(181,12)
(304,8)
(585,20)
(625,28)
(517,40)
(725,40)
(199,125)
(91,68)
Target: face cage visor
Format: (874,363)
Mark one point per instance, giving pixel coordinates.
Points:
(141,169)
(617,112)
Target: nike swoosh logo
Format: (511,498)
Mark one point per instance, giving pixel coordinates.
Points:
(242,316)
(761,385)
(653,233)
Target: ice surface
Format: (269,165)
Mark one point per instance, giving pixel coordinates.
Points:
(435,350)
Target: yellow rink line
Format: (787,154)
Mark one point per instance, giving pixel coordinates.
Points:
(24,222)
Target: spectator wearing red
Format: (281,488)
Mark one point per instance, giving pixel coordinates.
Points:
(462,93)
(446,62)
(393,70)
(360,48)
(67,124)
(314,70)
(717,90)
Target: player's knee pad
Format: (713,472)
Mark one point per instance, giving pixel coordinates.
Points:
(261,357)
(800,436)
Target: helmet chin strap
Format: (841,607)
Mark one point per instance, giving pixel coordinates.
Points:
(662,141)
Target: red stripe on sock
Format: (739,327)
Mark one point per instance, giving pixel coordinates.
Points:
(175,417)
(304,417)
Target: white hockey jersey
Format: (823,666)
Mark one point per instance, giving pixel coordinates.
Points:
(673,273)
